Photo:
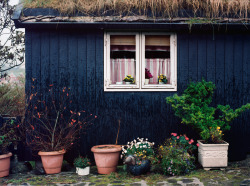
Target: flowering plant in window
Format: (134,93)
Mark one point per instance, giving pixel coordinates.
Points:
(176,155)
(82,162)
(162,79)
(140,149)
(129,78)
(51,124)
(148,74)
(193,109)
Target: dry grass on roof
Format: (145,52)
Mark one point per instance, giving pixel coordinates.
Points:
(166,8)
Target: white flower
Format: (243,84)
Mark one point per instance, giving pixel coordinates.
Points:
(146,139)
(121,156)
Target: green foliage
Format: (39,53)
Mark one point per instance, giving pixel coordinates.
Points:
(129,78)
(82,162)
(176,155)
(193,109)
(8,135)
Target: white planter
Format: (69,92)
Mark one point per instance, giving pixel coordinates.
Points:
(119,83)
(161,83)
(82,171)
(213,155)
(146,81)
(127,83)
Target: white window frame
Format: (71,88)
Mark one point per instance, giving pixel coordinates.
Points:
(140,64)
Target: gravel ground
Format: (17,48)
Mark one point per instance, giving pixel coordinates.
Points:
(237,173)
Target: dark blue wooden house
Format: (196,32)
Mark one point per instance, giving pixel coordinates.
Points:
(92,56)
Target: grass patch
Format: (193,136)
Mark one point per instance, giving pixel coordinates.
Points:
(165,8)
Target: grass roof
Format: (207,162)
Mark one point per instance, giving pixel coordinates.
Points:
(154,8)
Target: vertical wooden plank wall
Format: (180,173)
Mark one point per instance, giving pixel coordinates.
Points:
(75,59)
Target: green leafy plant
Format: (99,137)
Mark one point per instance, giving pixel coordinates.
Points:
(9,133)
(141,149)
(176,155)
(129,78)
(82,162)
(162,78)
(194,110)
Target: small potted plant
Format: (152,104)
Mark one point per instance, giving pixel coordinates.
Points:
(53,127)
(82,166)
(176,155)
(129,79)
(211,122)
(148,75)
(138,155)
(162,79)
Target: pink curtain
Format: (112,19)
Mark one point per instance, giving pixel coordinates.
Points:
(120,68)
(157,67)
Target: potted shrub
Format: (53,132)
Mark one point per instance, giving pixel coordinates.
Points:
(176,155)
(53,128)
(107,156)
(82,166)
(148,75)
(162,79)
(138,155)
(211,122)
(129,79)
(8,135)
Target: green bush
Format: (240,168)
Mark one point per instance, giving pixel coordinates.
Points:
(194,110)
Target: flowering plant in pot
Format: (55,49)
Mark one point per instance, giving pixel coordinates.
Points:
(138,155)
(129,79)
(176,155)
(148,75)
(82,165)
(162,79)
(211,122)
(52,127)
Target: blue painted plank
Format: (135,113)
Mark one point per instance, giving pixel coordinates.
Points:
(220,68)
(211,71)
(28,60)
(54,57)
(45,62)
(202,56)
(193,57)
(63,69)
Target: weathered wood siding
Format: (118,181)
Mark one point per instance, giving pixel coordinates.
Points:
(75,59)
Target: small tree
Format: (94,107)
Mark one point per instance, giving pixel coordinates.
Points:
(193,109)
(11,49)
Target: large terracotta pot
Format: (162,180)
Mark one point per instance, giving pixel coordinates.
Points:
(5,164)
(213,155)
(52,161)
(106,157)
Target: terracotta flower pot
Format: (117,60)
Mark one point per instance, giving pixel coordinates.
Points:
(52,161)
(106,157)
(5,164)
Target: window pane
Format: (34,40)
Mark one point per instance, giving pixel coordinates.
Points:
(122,58)
(157,59)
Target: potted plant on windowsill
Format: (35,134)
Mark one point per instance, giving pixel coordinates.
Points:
(211,122)
(162,79)
(138,155)
(148,75)
(129,79)
(52,127)
(82,166)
